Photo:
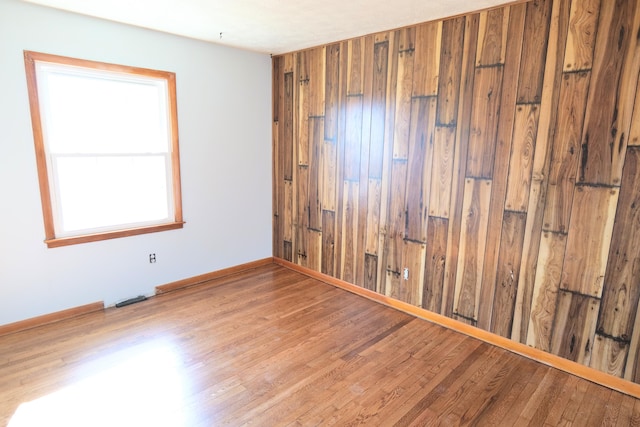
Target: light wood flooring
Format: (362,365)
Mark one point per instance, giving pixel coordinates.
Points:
(271,347)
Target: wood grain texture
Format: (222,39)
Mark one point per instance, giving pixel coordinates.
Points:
(589,239)
(434,267)
(603,136)
(492,37)
(450,70)
(444,150)
(521,162)
(621,285)
(473,238)
(582,35)
(565,161)
(484,122)
(534,49)
(410,117)
(508,273)
(426,64)
(545,291)
(574,326)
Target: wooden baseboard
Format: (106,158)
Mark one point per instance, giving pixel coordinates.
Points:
(574,368)
(197,280)
(46,319)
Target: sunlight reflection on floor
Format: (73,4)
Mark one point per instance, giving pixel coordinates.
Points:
(140,386)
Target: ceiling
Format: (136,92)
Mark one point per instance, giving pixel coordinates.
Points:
(270,26)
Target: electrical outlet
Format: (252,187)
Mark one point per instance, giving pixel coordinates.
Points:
(405,273)
(152,258)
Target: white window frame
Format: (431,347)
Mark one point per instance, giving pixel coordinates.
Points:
(38,64)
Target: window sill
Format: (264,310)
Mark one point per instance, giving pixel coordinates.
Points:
(86,238)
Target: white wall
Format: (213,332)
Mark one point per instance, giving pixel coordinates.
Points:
(224,116)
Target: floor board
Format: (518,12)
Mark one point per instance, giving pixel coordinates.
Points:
(271,346)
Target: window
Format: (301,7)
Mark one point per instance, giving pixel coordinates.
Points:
(106,142)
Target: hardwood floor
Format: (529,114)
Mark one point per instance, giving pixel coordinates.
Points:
(271,347)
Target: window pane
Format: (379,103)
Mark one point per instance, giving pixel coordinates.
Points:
(116,116)
(91,195)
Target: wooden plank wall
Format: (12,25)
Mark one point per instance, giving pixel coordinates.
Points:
(485,167)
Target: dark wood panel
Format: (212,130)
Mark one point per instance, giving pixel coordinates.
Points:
(328,243)
(575,326)
(434,267)
(621,284)
(484,122)
(287,128)
(378,109)
(332,92)
(419,167)
(508,272)
(316,143)
(564,164)
(534,49)
(603,140)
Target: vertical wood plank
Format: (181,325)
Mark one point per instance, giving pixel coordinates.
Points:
(349,231)
(328,243)
(302,215)
(589,238)
(378,109)
(396,218)
(419,167)
(409,289)
(603,139)
(427,59)
(371,272)
(582,35)
(451,53)
(484,122)
(492,37)
(508,272)
(328,174)
(545,290)
(541,163)
(374,201)
(434,267)
(404,88)
(314,249)
(355,67)
(353,138)
(332,91)
(609,355)
(574,326)
(316,143)
(534,48)
(477,195)
(288,126)
(621,284)
(303,95)
(442,171)
(521,161)
(289,213)
(504,137)
(317,81)
(462,140)
(564,164)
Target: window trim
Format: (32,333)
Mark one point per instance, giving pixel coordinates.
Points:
(51,240)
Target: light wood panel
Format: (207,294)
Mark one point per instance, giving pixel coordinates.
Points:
(492,155)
